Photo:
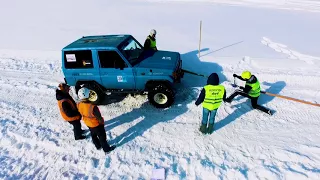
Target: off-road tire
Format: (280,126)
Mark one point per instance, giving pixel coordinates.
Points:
(161,90)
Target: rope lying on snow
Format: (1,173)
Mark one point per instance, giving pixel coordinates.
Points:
(264,92)
(290,98)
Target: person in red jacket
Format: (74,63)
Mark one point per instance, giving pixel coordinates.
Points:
(93,119)
(68,110)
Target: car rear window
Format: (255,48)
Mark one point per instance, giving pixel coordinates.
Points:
(78,59)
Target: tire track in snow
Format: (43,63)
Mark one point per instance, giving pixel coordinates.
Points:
(18,141)
(34,67)
(33,92)
(291,54)
(219,153)
(18,96)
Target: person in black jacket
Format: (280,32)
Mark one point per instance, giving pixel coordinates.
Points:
(251,91)
(68,110)
(211,97)
(150,42)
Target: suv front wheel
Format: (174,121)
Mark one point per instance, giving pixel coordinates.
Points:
(161,96)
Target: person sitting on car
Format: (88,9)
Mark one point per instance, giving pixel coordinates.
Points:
(150,43)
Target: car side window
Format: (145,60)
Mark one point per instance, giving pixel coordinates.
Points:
(78,59)
(111,59)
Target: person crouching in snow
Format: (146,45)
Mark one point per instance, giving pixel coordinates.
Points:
(93,119)
(68,110)
(211,97)
(251,91)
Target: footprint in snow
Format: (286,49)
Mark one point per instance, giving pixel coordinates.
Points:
(95,162)
(107,162)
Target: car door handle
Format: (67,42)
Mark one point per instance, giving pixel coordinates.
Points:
(143,73)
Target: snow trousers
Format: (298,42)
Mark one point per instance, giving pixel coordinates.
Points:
(99,138)
(206,113)
(77,129)
(254,100)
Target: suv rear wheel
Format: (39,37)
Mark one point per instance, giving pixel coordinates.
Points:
(96,95)
(161,96)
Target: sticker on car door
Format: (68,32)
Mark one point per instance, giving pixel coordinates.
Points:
(121,79)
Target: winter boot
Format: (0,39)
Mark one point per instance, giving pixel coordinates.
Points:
(270,112)
(98,147)
(80,137)
(210,129)
(203,128)
(110,149)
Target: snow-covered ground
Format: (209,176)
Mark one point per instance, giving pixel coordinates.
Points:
(280,46)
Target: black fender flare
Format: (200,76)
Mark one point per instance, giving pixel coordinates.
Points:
(94,83)
(152,83)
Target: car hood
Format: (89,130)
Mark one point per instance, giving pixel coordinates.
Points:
(160,60)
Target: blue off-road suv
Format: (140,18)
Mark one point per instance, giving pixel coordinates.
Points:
(119,64)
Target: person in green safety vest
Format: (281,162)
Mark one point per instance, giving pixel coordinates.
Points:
(251,91)
(211,97)
(150,43)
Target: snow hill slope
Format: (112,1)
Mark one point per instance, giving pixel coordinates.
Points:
(279,46)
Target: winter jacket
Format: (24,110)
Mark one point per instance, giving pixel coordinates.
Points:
(252,80)
(68,107)
(213,79)
(91,114)
(147,44)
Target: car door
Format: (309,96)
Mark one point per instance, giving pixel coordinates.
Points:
(114,71)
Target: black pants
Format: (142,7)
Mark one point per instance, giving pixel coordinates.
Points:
(99,138)
(77,129)
(254,100)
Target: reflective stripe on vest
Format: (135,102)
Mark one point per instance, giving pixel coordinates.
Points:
(63,114)
(86,110)
(214,96)
(153,43)
(255,89)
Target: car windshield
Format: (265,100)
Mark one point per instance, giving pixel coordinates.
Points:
(132,51)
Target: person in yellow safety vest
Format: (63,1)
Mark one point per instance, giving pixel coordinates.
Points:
(68,110)
(211,97)
(93,119)
(251,91)
(150,43)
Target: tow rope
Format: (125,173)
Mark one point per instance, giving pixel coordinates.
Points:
(263,92)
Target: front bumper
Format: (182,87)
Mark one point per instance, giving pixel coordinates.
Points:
(179,73)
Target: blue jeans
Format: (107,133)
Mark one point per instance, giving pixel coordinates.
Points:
(206,113)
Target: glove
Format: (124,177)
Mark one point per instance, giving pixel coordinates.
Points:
(234,75)
(234,85)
